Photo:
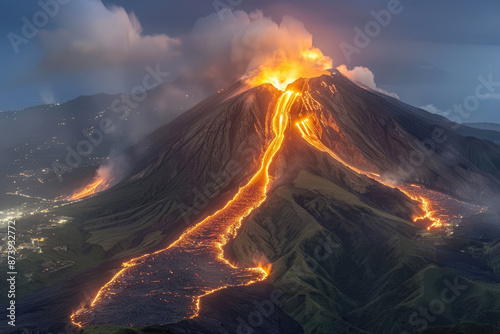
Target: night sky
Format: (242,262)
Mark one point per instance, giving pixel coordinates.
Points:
(430,54)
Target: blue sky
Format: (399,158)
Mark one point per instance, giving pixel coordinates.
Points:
(430,53)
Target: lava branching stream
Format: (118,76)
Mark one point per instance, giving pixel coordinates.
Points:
(439,209)
(166,286)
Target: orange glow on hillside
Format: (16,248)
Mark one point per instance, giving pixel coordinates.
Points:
(266,267)
(280,71)
(212,233)
(97,185)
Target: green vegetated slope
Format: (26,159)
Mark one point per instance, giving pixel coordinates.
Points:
(349,268)
(342,246)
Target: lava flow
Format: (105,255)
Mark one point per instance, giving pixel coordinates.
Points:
(103,178)
(166,286)
(438,208)
(97,185)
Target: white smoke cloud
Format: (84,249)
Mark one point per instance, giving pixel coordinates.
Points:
(244,43)
(91,36)
(214,54)
(365,77)
(433,109)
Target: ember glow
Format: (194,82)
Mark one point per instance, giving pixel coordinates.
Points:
(266,267)
(194,265)
(283,68)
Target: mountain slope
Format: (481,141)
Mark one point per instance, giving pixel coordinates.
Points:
(373,267)
(403,142)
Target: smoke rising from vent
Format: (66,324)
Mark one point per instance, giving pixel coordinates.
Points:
(365,77)
(108,174)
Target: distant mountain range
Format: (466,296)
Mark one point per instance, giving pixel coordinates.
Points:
(488,131)
(484,126)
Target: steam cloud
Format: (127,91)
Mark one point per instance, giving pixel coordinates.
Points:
(114,170)
(213,55)
(365,77)
(108,174)
(244,44)
(91,36)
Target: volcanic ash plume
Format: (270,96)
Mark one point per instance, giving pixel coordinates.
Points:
(278,54)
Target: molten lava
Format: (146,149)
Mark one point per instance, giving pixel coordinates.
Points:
(167,285)
(308,132)
(430,214)
(282,70)
(97,185)
(435,217)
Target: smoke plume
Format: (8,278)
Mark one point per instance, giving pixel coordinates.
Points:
(365,77)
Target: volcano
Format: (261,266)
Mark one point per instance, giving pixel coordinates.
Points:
(323,208)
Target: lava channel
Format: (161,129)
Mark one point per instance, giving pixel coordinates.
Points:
(166,286)
(440,210)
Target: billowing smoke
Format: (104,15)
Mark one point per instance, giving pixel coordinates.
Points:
(114,169)
(215,54)
(365,77)
(245,45)
(91,36)
(108,174)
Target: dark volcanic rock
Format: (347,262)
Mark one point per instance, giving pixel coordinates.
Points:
(245,309)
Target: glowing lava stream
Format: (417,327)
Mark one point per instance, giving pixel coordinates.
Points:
(95,187)
(166,286)
(416,193)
